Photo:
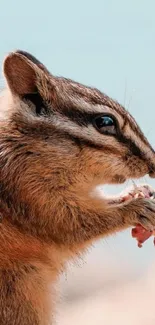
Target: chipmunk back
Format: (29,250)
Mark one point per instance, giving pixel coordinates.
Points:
(58,141)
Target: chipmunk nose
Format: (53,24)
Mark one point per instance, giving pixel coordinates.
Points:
(150,160)
(152,174)
(152,171)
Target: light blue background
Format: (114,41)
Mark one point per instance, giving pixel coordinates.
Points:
(106,44)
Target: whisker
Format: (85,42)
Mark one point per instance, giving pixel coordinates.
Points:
(145,179)
(125,92)
(147,133)
(131,97)
(134,184)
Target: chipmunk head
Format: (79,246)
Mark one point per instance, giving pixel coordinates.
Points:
(56,127)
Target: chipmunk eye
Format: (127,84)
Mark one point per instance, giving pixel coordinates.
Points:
(105,124)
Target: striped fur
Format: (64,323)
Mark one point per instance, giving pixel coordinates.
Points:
(51,159)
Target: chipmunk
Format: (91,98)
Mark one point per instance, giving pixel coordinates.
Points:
(59,139)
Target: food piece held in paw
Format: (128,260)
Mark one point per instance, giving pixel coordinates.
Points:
(139,232)
(139,192)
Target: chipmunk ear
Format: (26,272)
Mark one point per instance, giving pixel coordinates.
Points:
(22,72)
(31,58)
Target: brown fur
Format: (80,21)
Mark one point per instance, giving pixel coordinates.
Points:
(51,159)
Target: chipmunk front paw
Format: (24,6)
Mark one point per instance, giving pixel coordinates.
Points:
(141,211)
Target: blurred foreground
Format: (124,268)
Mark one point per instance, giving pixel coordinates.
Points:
(110,286)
